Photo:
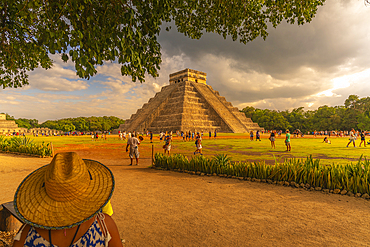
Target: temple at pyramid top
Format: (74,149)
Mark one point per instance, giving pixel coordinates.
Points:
(188,75)
(188,104)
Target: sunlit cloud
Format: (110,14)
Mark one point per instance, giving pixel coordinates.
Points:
(346,81)
(61,77)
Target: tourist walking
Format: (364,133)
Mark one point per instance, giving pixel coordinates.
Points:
(62,203)
(167,145)
(352,138)
(258,137)
(272,139)
(151,136)
(287,141)
(198,144)
(251,135)
(362,138)
(133,143)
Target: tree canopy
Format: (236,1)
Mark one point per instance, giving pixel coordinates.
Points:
(90,32)
(84,124)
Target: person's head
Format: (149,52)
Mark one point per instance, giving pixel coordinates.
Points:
(65,193)
(287,131)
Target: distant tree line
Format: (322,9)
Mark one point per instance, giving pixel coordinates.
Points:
(85,124)
(354,114)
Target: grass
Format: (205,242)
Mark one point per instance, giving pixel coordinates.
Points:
(240,148)
(237,146)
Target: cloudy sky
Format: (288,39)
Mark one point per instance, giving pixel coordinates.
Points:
(320,63)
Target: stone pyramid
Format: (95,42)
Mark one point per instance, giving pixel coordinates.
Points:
(188,104)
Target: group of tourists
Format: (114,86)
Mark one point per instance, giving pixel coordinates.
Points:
(133,142)
(272,138)
(95,136)
(167,138)
(122,135)
(353,135)
(188,135)
(258,135)
(341,133)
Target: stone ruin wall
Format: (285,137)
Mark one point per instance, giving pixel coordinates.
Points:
(9,127)
(188,75)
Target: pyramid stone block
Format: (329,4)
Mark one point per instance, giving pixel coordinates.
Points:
(188,104)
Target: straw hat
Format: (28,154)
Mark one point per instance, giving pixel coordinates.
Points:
(65,193)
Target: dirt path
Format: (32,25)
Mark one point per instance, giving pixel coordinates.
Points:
(164,208)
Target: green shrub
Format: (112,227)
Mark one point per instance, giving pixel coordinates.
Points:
(24,145)
(351,177)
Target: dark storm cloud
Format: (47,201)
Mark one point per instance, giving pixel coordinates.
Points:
(300,60)
(323,44)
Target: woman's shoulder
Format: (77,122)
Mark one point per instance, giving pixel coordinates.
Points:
(113,230)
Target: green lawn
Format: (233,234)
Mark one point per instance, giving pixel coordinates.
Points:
(244,149)
(238,147)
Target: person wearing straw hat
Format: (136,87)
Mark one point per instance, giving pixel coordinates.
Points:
(61,204)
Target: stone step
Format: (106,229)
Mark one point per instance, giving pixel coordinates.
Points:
(145,116)
(191,122)
(173,128)
(187,99)
(230,120)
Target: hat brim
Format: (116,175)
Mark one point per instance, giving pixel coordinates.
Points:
(36,208)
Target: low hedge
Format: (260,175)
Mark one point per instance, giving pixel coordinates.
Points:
(24,145)
(353,178)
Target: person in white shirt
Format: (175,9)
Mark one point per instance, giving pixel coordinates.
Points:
(352,138)
(133,143)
